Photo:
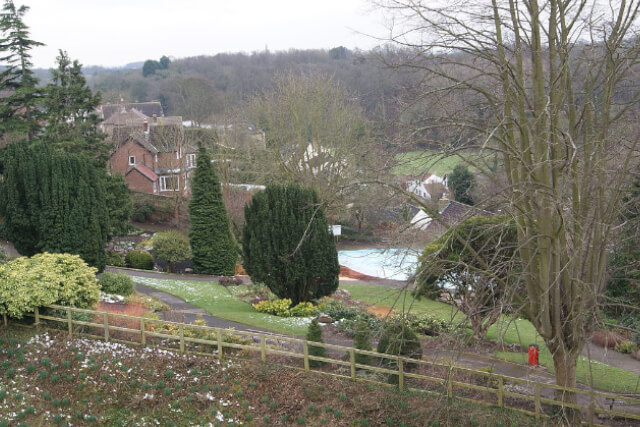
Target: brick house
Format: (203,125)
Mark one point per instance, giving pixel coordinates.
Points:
(149,152)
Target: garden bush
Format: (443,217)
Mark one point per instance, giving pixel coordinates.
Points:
(115,259)
(423,323)
(627,347)
(171,247)
(362,341)
(139,259)
(314,333)
(116,283)
(282,308)
(27,283)
(399,339)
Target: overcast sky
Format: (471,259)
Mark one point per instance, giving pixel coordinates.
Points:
(117,32)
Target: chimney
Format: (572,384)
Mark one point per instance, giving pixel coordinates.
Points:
(155,118)
(145,126)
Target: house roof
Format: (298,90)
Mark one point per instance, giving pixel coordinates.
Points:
(456,212)
(161,138)
(144,171)
(126,118)
(146,108)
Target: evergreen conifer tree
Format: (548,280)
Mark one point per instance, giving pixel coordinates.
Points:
(72,121)
(287,244)
(53,202)
(314,333)
(212,243)
(19,114)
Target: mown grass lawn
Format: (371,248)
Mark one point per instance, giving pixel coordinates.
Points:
(510,330)
(416,162)
(216,300)
(49,379)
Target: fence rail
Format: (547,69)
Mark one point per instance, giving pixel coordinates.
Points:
(494,384)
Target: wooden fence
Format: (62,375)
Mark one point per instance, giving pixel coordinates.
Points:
(449,379)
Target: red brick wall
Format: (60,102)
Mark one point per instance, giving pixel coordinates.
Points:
(168,161)
(139,182)
(119,161)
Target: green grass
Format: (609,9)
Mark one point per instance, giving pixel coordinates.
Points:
(216,300)
(510,330)
(605,377)
(416,162)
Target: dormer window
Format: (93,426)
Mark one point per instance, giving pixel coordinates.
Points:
(132,160)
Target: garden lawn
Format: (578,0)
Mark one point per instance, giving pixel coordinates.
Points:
(216,300)
(510,330)
(416,162)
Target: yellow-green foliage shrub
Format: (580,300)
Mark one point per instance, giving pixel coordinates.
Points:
(27,283)
(282,308)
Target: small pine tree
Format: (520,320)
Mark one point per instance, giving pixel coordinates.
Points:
(362,341)
(314,333)
(399,339)
(212,243)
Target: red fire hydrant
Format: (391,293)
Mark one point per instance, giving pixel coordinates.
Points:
(533,355)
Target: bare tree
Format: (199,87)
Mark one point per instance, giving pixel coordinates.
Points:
(551,81)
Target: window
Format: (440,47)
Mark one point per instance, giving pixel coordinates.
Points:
(191,160)
(132,160)
(169,183)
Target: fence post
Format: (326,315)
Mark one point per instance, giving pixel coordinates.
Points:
(36,314)
(263,349)
(105,321)
(305,351)
(500,395)
(400,374)
(181,338)
(450,384)
(219,338)
(69,321)
(537,402)
(352,360)
(592,408)
(143,336)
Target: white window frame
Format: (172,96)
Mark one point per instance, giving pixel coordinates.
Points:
(163,183)
(191,160)
(132,163)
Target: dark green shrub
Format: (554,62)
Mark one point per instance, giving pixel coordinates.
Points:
(116,283)
(295,255)
(140,259)
(115,259)
(362,341)
(314,333)
(400,340)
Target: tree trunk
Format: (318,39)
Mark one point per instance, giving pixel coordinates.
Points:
(4,318)
(565,363)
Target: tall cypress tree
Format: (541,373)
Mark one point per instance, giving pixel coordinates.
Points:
(287,244)
(19,114)
(212,244)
